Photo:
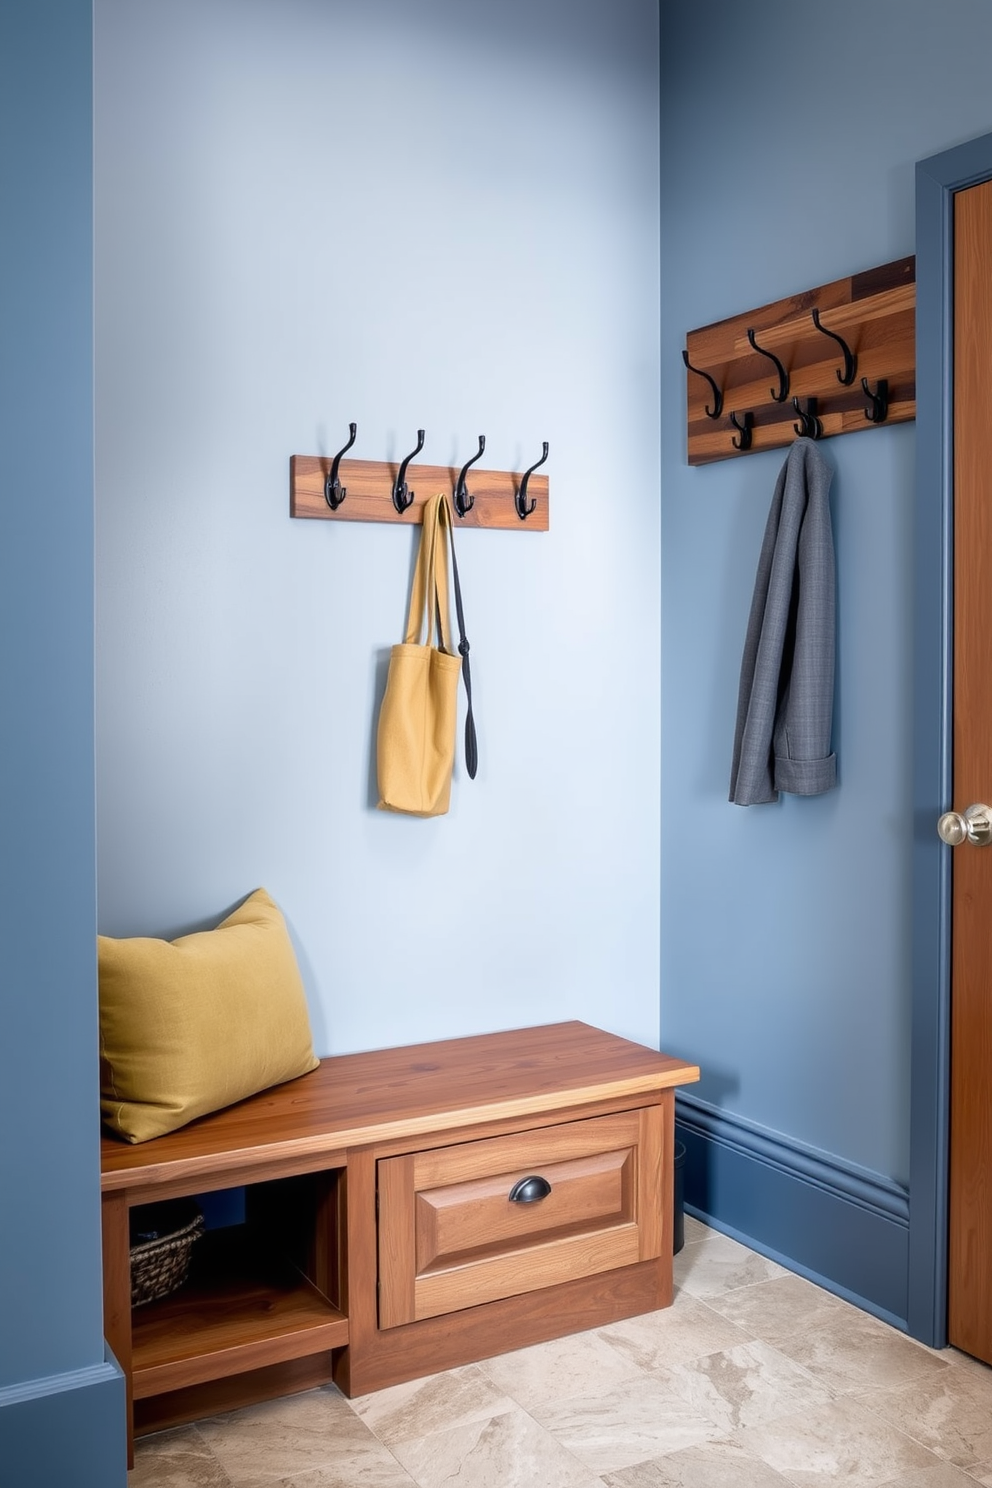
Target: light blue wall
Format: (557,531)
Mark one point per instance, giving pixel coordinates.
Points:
(440,216)
(789,143)
(56,1390)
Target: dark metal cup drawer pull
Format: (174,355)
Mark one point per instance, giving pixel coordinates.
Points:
(529,1190)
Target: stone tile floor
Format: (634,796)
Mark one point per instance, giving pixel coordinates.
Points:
(754,1378)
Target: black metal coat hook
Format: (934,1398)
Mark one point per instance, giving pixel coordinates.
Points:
(849,373)
(334,491)
(744,430)
(810,426)
(783,376)
(879,410)
(402,497)
(463,501)
(717,409)
(523,510)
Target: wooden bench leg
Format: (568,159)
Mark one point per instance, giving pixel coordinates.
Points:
(117,1296)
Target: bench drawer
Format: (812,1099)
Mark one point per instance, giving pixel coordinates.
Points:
(450,1237)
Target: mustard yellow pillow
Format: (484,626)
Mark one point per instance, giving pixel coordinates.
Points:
(190,1025)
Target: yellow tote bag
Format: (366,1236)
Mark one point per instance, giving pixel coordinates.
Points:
(415,745)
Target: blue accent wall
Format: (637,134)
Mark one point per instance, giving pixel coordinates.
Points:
(788,147)
(842,1226)
(57,1391)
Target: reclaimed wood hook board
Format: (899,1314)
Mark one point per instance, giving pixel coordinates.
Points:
(758,380)
(368,485)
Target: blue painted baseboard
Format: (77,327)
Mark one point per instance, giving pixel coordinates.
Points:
(842,1226)
(69,1431)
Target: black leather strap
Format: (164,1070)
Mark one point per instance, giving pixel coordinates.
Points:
(471,742)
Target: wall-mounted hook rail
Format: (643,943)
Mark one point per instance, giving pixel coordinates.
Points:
(370,485)
(520,501)
(878,410)
(783,376)
(334,491)
(809,425)
(850,371)
(402,495)
(462,500)
(870,317)
(744,430)
(717,409)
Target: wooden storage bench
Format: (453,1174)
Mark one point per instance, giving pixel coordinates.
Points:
(380,1242)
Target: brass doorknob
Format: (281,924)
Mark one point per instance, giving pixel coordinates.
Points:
(973,825)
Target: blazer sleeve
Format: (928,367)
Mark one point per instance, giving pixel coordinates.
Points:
(785,701)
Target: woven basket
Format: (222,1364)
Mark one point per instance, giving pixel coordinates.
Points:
(162,1239)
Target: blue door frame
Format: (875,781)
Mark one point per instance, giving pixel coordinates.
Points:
(937,181)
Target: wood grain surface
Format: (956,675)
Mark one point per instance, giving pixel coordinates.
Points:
(449,1236)
(275,1300)
(238,1311)
(455,1338)
(472,1219)
(369,484)
(875,312)
(194,1402)
(355,1100)
(970,1199)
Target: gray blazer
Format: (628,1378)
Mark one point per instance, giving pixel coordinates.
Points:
(785,703)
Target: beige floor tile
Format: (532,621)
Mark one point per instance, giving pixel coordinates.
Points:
(176,1459)
(578,1365)
(310,1439)
(746,1385)
(688,1330)
(508,1451)
(776,1310)
(718,1264)
(977,1367)
(680,1297)
(367,1468)
(611,1431)
(694,1229)
(719,1464)
(839,1442)
(437,1403)
(753,1378)
(950,1413)
(941,1475)
(858,1352)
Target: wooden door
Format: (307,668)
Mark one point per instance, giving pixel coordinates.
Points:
(970,1196)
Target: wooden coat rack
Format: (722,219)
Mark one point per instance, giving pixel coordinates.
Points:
(828,361)
(365,491)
